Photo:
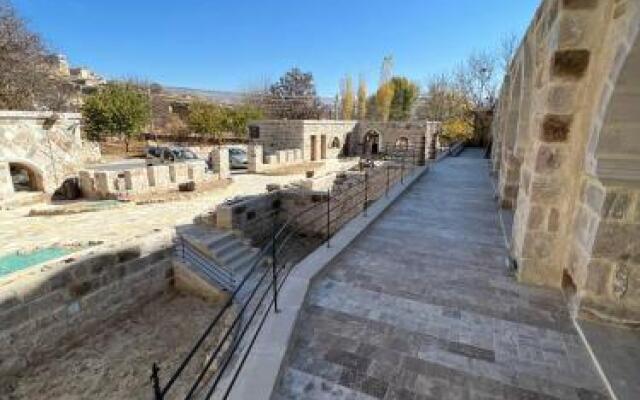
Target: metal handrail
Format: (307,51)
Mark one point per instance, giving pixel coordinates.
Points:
(281,235)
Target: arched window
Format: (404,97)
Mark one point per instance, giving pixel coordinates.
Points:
(335,143)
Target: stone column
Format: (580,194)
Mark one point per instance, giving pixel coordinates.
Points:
(178,172)
(136,180)
(255,158)
(551,170)
(159,177)
(87,185)
(196,172)
(105,183)
(220,158)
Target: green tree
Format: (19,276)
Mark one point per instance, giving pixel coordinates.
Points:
(117,109)
(347,104)
(405,93)
(206,118)
(235,119)
(213,119)
(362,99)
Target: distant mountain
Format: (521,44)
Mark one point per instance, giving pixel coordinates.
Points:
(218,96)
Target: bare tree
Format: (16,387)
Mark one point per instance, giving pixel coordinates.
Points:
(27,79)
(506,50)
(476,78)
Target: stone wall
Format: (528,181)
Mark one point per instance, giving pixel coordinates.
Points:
(259,162)
(317,139)
(329,139)
(48,144)
(304,203)
(418,136)
(45,310)
(567,153)
(252,216)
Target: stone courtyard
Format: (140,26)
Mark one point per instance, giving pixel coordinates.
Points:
(397,319)
(18,231)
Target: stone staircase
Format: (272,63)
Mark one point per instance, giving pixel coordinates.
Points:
(222,257)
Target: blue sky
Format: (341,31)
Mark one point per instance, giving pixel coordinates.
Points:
(235,45)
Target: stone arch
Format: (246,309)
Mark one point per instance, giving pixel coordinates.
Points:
(606,259)
(614,145)
(25,176)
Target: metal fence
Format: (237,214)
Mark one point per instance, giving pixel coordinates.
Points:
(257,292)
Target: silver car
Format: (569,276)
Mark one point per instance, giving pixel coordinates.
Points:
(167,155)
(238,158)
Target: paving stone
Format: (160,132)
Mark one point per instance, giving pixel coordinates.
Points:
(421,306)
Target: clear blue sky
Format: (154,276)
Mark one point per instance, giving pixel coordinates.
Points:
(234,45)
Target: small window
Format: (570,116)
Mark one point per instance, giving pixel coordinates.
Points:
(335,143)
(254,132)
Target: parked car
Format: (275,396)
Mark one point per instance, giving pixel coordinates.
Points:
(158,155)
(238,158)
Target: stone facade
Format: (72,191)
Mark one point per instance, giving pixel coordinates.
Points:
(567,153)
(329,139)
(43,311)
(48,145)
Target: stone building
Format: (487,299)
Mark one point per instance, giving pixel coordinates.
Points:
(38,150)
(566,153)
(327,139)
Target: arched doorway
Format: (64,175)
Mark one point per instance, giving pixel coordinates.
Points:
(372,143)
(25,177)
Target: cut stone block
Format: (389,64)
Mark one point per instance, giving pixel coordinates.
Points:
(136,180)
(159,176)
(178,172)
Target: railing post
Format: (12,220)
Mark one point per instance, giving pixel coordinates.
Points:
(366,191)
(386,192)
(402,170)
(328,218)
(155,379)
(274,263)
(413,160)
(182,242)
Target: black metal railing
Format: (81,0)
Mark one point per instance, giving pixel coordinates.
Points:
(257,292)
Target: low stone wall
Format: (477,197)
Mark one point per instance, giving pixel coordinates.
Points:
(306,201)
(347,199)
(251,216)
(46,310)
(153,179)
(260,162)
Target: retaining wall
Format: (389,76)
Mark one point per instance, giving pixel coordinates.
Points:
(46,310)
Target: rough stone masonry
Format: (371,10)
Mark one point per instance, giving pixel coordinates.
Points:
(566,152)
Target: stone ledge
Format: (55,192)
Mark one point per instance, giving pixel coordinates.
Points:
(262,369)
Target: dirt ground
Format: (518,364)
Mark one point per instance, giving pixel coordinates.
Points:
(116,362)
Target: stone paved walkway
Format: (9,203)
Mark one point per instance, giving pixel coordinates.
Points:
(422,306)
